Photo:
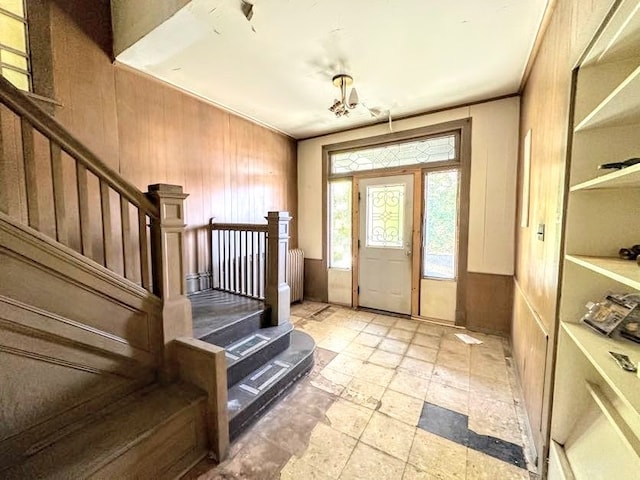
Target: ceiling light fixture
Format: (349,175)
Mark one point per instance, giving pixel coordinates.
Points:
(341,107)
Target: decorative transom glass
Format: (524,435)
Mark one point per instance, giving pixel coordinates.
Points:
(385,216)
(426,150)
(14,56)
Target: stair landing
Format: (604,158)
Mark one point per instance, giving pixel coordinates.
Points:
(213,310)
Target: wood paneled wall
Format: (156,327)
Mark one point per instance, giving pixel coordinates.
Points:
(489,302)
(545,110)
(232,169)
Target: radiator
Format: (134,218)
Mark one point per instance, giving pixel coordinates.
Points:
(295,274)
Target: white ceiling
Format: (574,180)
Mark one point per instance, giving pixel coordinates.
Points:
(406,56)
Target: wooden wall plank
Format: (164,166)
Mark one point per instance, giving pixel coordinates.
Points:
(489,302)
(83,74)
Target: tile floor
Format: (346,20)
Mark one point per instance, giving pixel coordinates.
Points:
(380,388)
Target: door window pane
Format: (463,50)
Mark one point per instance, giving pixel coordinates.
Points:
(425,150)
(441,224)
(340,224)
(385,216)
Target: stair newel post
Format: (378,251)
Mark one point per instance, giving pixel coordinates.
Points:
(168,265)
(277,293)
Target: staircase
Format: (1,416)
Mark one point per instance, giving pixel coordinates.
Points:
(90,308)
(262,360)
(103,374)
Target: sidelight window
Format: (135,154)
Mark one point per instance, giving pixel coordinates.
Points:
(440,231)
(340,223)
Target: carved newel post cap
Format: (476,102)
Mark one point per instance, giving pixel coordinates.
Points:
(164,188)
(279,215)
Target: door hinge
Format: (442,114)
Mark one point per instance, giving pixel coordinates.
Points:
(358,243)
(358,289)
(358,196)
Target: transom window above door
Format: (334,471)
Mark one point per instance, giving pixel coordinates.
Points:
(440,148)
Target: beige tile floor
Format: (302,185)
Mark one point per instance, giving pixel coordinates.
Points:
(356,415)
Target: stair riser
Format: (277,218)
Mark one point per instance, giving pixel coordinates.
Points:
(231,333)
(241,421)
(253,361)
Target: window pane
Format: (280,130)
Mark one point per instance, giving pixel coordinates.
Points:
(385,216)
(14,6)
(13,59)
(425,150)
(441,224)
(13,36)
(18,79)
(12,33)
(340,224)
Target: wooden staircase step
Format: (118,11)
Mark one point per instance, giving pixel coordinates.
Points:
(157,432)
(248,398)
(252,351)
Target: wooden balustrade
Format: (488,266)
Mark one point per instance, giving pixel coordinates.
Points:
(126,253)
(238,258)
(141,236)
(251,260)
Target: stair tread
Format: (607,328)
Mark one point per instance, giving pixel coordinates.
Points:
(243,347)
(107,434)
(249,389)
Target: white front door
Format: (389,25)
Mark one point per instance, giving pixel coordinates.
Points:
(386,224)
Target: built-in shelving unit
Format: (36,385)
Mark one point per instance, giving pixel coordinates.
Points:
(595,430)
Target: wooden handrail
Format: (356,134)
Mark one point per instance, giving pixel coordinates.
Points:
(238,227)
(20,104)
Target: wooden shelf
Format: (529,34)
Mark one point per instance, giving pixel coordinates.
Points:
(621,107)
(626,178)
(596,349)
(623,271)
(617,422)
(620,37)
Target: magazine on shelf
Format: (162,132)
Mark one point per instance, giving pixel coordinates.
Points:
(606,315)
